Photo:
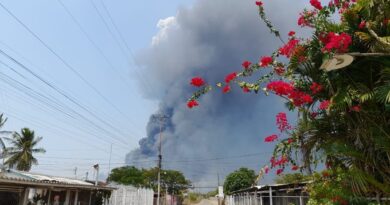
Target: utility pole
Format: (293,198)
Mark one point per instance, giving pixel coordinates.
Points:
(86,176)
(109,161)
(219,201)
(96,166)
(75,172)
(161,119)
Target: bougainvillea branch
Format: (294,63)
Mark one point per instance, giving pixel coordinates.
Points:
(344,113)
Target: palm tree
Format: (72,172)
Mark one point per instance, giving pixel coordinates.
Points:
(24,146)
(3,148)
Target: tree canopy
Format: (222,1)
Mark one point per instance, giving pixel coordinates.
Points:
(239,179)
(23,147)
(171,180)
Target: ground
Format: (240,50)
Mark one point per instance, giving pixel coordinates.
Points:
(210,201)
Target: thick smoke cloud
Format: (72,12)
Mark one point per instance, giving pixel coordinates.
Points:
(211,39)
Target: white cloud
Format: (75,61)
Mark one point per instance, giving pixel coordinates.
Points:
(164,25)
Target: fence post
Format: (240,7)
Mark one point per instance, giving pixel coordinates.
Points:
(261,199)
(300,200)
(270,196)
(256,202)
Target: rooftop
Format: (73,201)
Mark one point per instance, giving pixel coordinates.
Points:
(41,180)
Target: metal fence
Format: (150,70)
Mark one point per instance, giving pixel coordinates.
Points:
(251,199)
(128,195)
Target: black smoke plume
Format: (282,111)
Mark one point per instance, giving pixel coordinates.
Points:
(211,39)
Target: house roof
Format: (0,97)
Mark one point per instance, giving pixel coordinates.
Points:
(275,187)
(41,180)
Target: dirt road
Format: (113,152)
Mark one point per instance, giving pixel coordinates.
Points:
(208,202)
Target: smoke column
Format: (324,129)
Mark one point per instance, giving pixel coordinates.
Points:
(211,39)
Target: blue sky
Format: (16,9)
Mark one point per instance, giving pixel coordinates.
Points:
(91,94)
(72,141)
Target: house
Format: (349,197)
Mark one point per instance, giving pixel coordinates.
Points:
(25,188)
(272,194)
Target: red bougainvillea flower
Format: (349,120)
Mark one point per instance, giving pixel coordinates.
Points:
(283,160)
(265,61)
(325,174)
(246,64)
(299,53)
(279,171)
(294,167)
(297,97)
(306,18)
(266,169)
(226,89)
(362,25)
(192,103)
(302,21)
(313,114)
(259,3)
(386,21)
(355,108)
(324,105)
(288,49)
(279,70)
(300,98)
(280,87)
(291,33)
(197,81)
(281,122)
(245,89)
(339,200)
(230,77)
(290,140)
(336,42)
(315,88)
(316,4)
(271,138)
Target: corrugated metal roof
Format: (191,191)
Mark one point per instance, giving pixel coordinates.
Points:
(12,176)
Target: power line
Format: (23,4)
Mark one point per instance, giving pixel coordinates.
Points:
(67,65)
(67,97)
(143,80)
(100,51)
(42,99)
(222,158)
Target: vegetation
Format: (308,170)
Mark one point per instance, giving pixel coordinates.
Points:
(292,178)
(239,179)
(20,155)
(2,144)
(172,181)
(339,83)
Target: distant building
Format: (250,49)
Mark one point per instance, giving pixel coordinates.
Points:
(272,194)
(24,188)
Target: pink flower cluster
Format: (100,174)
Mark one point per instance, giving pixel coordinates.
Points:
(271,138)
(306,18)
(282,88)
(192,103)
(315,88)
(246,64)
(281,122)
(230,77)
(283,160)
(324,105)
(197,81)
(265,61)
(338,43)
(316,4)
(288,49)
